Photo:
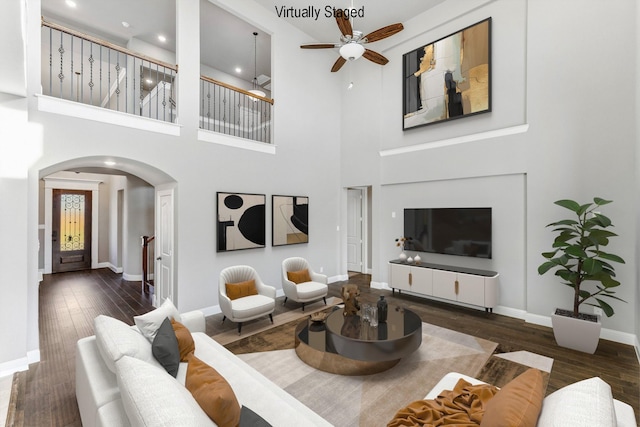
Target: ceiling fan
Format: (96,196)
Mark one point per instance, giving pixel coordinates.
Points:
(352,41)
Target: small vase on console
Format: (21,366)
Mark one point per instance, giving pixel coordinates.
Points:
(417,259)
(402,256)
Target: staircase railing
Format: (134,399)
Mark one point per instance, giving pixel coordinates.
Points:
(234,111)
(85,69)
(147,260)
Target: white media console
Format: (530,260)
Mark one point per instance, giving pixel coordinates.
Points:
(458,284)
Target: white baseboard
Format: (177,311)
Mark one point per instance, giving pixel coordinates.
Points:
(19,365)
(113,267)
(338,278)
(379,285)
(132,277)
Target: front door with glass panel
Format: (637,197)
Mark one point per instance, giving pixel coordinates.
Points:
(71,230)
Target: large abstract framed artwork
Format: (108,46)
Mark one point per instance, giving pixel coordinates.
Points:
(241,221)
(290,220)
(449,78)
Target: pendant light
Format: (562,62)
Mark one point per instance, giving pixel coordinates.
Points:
(255,89)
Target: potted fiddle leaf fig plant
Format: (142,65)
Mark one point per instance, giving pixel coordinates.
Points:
(578,260)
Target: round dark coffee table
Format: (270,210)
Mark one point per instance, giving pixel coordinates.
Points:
(346,345)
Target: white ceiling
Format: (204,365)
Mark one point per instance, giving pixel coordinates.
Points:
(227,42)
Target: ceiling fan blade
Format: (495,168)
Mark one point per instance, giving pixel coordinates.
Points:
(384,32)
(338,64)
(319,46)
(344,25)
(375,57)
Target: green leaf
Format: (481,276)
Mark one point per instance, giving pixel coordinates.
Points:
(576,251)
(592,266)
(546,267)
(601,220)
(598,201)
(564,222)
(583,208)
(584,294)
(610,257)
(606,308)
(549,255)
(569,204)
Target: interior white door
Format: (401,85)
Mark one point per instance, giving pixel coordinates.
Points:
(163,274)
(354,230)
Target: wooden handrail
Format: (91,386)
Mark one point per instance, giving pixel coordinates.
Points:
(237,89)
(145,262)
(105,43)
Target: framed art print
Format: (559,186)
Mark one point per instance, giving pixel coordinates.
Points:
(290,220)
(449,78)
(241,221)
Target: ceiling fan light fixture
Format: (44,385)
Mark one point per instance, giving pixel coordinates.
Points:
(351,51)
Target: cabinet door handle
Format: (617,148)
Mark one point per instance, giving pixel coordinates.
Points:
(410,279)
(457,287)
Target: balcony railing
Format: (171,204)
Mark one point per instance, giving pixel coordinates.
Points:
(82,68)
(234,111)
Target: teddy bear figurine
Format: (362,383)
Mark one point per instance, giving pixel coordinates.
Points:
(350,294)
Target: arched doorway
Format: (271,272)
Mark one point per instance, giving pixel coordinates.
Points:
(130,200)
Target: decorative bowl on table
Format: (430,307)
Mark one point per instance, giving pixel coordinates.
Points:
(318,317)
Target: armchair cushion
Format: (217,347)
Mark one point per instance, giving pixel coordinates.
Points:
(298,277)
(253,305)
(241,289)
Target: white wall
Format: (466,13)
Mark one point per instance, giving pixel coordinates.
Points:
(557,82)
(561,123)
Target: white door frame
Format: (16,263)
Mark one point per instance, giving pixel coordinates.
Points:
(51,183)
(364,212)
(164,267)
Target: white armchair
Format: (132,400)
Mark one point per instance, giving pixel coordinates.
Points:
(244,302)
(300,286)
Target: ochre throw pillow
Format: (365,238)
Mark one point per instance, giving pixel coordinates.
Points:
(241,289)
(185,340)
(298,277)
(518,403)
(213,393)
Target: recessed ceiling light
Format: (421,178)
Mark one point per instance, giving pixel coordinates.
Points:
(238,70)
(110,163)
(71,3)
(125,24)
(162,38)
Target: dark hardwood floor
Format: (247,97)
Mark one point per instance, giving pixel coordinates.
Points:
(45,395)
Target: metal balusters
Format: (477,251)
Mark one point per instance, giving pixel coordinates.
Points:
(234,111)
(113,69)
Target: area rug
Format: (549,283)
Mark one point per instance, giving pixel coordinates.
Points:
(372,400)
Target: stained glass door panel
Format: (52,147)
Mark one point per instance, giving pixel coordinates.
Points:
(71,231)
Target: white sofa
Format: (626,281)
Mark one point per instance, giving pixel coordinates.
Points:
(106,388)
(584,403)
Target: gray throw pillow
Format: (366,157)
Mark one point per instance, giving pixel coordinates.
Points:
(165,348)
(248,418)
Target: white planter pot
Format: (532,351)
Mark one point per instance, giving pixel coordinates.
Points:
(576,334)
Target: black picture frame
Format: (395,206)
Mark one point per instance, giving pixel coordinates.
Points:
(290,220)
(449,78)
(240,222)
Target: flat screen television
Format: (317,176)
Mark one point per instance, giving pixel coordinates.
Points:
(452,231)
